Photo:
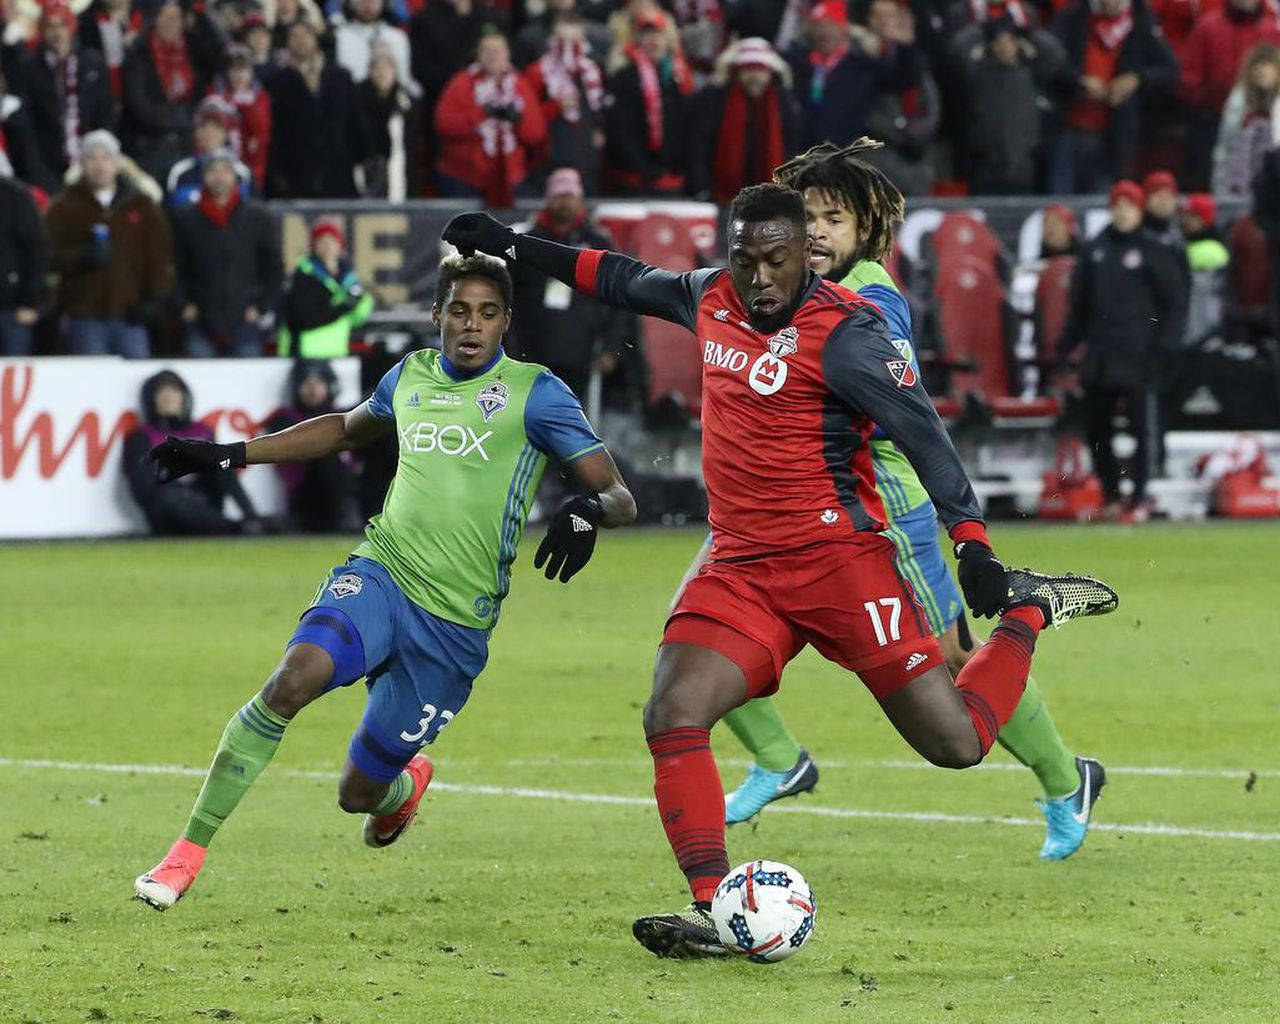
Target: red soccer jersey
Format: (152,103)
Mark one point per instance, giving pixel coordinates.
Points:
(786,415)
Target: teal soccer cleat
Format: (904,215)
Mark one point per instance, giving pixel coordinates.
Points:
(761,787)
(1067,817)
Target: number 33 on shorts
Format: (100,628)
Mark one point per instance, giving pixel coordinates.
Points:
(429,715)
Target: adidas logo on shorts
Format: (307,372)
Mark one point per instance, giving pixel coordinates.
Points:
(916,659)
(580,525)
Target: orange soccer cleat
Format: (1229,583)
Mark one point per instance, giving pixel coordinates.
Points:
(385,829)
(164,884)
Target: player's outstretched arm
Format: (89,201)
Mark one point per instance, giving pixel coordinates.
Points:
(614,279)
(863,368)
(311,439)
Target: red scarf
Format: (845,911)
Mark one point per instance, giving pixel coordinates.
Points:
(177,78)
(651,89)
(566,68)
(749,130)
(220,216)
(981,10)
(1112,32)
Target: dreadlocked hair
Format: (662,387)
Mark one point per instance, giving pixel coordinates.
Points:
(841,173)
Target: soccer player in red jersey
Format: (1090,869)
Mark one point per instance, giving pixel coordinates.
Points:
(797,373)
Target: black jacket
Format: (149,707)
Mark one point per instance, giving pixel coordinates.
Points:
(626,133)
(704,137)
(1128,307)
(39,89)
(559,327)
(224,271)
(22,145)
(317,139)
(442,42)
(1144,53)
(24,253)
(1002,129)
(850,86)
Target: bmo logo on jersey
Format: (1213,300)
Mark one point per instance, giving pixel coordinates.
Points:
(451,439)
(766,376)
(724,356)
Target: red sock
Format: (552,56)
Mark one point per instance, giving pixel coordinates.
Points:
(992,682)
(691,803)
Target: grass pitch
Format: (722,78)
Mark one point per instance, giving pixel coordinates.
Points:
(511,898)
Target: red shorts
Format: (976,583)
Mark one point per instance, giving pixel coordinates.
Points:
(847,600)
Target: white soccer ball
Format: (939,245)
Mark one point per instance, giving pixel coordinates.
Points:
(764,911)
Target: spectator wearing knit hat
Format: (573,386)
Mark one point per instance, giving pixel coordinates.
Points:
(1116,60)
(1124,327)
(567,331)
(647,118)
(570,86)
(112,253)
(227,251)
(489,125)
(324,300)
(1160,207)
(65,88)
(746,123)
(319,134)
(217,129)
(839,72)
(1208,260)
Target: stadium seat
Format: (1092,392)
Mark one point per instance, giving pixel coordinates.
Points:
(673,359)
(1250,268)
(971,318)
(1053,294)
(962,235)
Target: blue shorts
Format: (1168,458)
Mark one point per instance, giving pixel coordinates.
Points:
(417,666)
(920,560)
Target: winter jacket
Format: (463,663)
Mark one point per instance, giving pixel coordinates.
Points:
(1128,309)
(906,122)
(157,131)
(224,271)
(186,179)
(23,250)
(38,87)
(1243,142)
(319,311)
(317,139)
(1143,53)
(254,108)
(125,276)
(465,135)
(22,146)
(631,164)
(1002,127)
(443,42)
(570,143)
(561,328)
(1216,51)
(395,135)
(707,118)
(840,114)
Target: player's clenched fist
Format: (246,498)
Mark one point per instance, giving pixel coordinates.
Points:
(571,537)
(982,578)
(176,456)
(478,232)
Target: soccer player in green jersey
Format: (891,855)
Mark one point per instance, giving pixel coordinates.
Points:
(411,610)
(852,209)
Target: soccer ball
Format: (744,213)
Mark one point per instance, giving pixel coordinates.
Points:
(764,911)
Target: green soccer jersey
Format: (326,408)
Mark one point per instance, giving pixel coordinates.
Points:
(472,450)
(899,487)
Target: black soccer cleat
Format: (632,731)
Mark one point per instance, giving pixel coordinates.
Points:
(686,934)
(1061,598)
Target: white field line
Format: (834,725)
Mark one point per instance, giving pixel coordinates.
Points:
(524,793)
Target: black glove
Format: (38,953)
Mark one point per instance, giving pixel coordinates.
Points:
(571,537)
(982,578)
(175,457)
(478,232)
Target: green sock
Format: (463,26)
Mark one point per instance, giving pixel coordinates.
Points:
(760,728)
(398,792)
(1033,739)
(248,743)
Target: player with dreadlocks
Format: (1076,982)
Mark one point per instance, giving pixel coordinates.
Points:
(852,210)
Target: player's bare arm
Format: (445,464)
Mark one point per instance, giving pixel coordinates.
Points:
(598,473)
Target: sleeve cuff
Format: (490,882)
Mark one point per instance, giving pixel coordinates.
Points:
(970,529)
(584,274)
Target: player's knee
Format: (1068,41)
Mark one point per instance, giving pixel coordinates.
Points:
(292,686)
(666,710)
(955,749)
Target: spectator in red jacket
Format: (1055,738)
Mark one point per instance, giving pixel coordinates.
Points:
(489,121)
(1215,54)
(253,103)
